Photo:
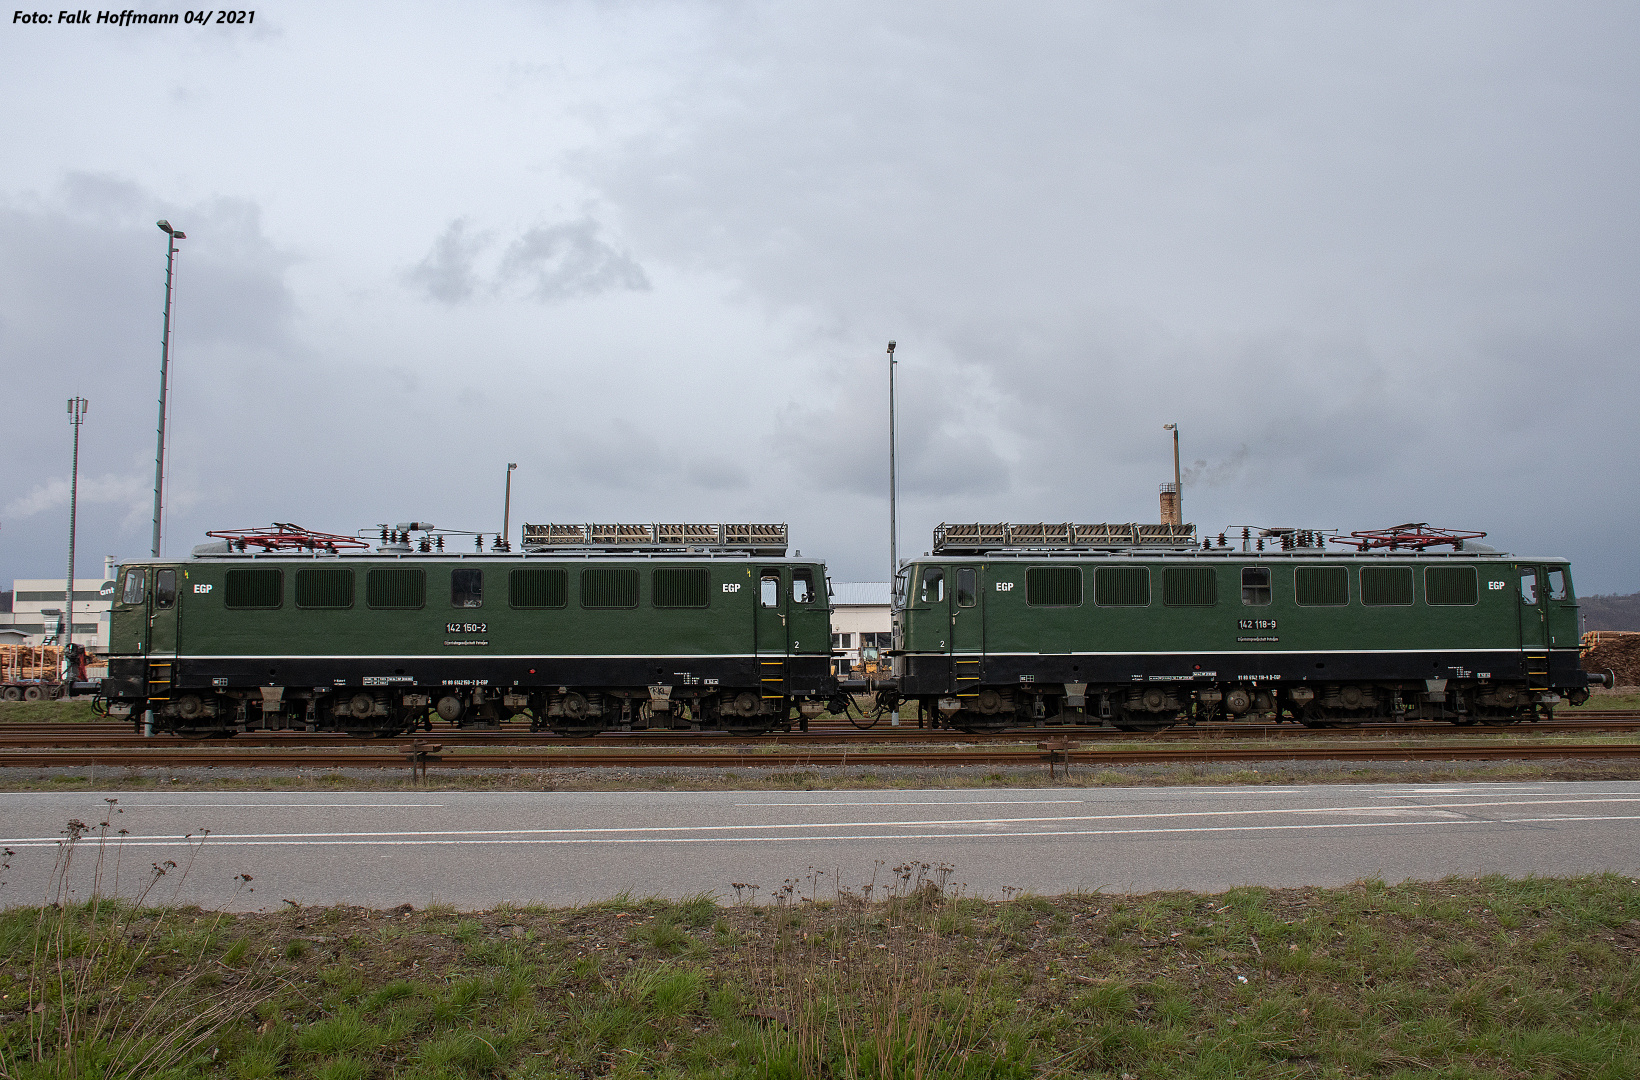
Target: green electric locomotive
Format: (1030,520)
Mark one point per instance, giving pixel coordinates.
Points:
(1141,627)
(588,629)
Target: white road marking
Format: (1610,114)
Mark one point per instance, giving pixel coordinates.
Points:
(897,837)
(903,802)
(219,839)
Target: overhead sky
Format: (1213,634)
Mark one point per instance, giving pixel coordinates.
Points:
(1378,261)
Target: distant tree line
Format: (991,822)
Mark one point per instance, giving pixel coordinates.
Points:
(1610,612)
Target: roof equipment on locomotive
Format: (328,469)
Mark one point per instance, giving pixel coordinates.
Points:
(752,539)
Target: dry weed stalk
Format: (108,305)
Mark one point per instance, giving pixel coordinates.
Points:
(83,1018)
(858,988)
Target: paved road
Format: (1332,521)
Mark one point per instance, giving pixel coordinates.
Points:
(475,849)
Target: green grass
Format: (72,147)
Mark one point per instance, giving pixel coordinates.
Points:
(77,711)
(1487,978)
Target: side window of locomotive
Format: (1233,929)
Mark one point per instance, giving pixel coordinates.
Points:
(1528,586)
(1190,586)
(769,589)
(1386,586)
(1557,585)
(324,587)
(802,585)
(933,585)
(165,589)
(1121,586)
(466,588)
(250,587)
(395,587)
(1053,586)
(538,587)
(136,584)
(609,587)
(681,587)
(1321,586)
(1255,586)
(967,586)
(1452,586)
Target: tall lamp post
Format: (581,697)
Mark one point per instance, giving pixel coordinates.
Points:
(77,407)
(164,372)
(506,507)
(893,488)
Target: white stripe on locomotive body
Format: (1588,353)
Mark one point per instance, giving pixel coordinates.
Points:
(1239,652)
(481,655)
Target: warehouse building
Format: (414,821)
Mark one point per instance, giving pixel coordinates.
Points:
(862,627)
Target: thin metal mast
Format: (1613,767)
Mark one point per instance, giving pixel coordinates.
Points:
(506,509)
(893,487)
(171,235)
(76,415)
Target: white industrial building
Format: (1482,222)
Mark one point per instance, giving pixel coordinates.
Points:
(37,610)
(862,626)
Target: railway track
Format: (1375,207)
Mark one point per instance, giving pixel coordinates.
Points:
(514,758)
(112,735)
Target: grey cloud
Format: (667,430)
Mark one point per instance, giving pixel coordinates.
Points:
(447,274)
(549,263)
(569,259)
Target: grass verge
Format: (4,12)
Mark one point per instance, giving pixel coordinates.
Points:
(900,977)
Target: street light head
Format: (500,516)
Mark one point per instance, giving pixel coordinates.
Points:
(175,234)
(164,225)
(179,235)
(511,465)
(891,348)
(1170,427)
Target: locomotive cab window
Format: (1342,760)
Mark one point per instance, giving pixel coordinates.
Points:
(136,585)
(933,585)
(1557,584)
(802,585)
(165,589)
(967,586)
(1255,586)
(1528,585)
(466,588)
(769,589)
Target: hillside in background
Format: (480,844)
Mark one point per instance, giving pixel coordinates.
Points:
(1610,612)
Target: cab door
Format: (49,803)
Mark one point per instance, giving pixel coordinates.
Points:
(772,632)
(967,631)
(929,615)
(1534,624)
(164,613)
